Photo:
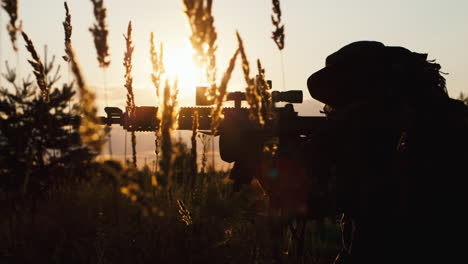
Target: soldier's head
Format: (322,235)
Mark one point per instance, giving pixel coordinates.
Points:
(369,71)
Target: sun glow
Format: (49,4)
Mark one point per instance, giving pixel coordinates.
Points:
(179,64)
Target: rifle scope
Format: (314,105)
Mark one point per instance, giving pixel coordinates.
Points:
(291,96)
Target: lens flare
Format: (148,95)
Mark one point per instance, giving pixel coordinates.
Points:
(179,65)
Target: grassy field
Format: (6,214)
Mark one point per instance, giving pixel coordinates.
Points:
(119,216)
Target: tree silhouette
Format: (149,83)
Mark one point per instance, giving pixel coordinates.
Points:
(39,140)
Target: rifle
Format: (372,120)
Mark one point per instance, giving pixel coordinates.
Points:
(235,130)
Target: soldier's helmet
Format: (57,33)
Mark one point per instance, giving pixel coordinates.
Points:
(369,70)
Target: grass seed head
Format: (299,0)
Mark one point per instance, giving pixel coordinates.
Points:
(128,66)
(193,153)
(91,132)
(67,27)
(38,68)
(129,83)
(251,93)
(184,213)
(278,32)
(156,77)
(100,33)
(245,61)
(220,96)
(168,117)
(204,37)
(157,63)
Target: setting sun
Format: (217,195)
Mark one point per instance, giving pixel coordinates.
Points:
(179,64)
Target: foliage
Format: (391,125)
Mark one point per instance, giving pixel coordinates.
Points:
(120,216)
(40,141)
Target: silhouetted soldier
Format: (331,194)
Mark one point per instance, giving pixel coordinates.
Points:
(398,146)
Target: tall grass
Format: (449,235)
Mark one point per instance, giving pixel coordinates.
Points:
(193,152)
(278,32)
(263,91)
(157,61)
(203,40)
(220,95)
(252,97)
(100,32)
(92,134)
(168,115)
(204,37)
(257,90)
(129,84)
(278,35)
(67,28)
(38,68)
(205,142)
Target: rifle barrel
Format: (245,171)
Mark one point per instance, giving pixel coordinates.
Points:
(144,118)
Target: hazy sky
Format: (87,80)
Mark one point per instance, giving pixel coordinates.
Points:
(314,29)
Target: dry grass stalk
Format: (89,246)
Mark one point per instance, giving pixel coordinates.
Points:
(184,213)
(193,152)
(251,95)
(245,61)
(38,68)
(156,77)
(158,64)
(278,33)
(168,117)
(267,110)
(220,95)
(129,83)
(67,27)
(100,33)
(262,89)
(128,66)
(11,7)
(134,158)
(203,37)
(257,93)
(204,140)
(91,132)
(259,98)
